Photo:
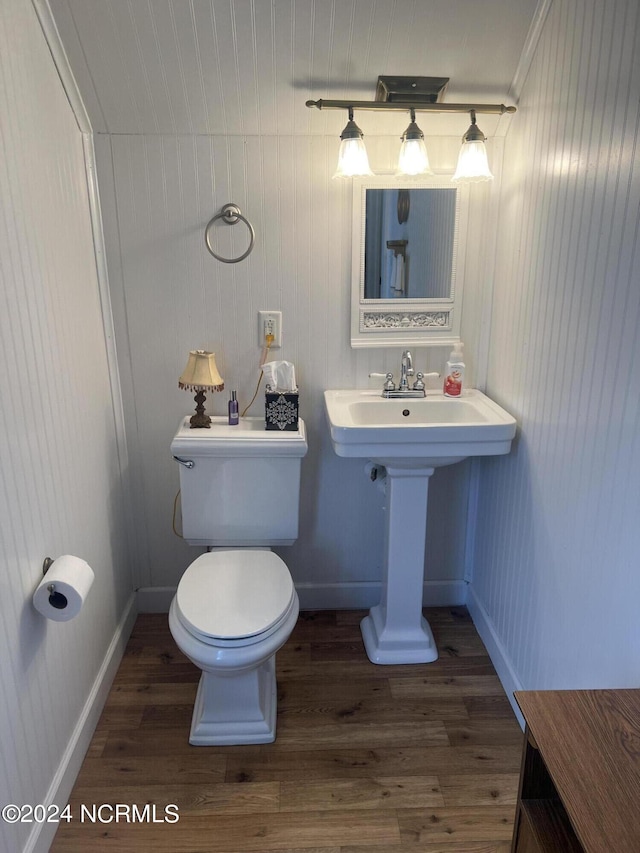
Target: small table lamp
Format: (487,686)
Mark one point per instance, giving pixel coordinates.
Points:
(201,374)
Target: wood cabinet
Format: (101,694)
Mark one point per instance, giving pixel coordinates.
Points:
(580,777)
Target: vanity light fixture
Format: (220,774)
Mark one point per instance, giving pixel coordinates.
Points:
(413,158)
(473,165)
(352,156)
(413,94)
(200,375)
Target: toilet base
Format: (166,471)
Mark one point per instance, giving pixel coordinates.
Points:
(236,710)
(236,702)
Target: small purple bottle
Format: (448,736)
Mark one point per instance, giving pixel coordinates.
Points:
(233,410)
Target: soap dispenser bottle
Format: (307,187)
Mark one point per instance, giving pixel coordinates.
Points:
(454,372)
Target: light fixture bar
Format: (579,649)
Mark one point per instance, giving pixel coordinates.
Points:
(412,95)
(404,106)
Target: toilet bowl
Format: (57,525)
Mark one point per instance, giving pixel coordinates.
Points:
(236,605)
(233,610)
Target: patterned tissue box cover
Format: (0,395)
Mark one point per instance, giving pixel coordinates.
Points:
(281,411)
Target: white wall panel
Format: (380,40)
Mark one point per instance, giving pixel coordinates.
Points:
(170,296)
(204,103)
(59,475)
(557,546)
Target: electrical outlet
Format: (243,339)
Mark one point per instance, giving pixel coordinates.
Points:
(270,323)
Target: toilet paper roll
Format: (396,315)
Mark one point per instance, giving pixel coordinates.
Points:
(63,590)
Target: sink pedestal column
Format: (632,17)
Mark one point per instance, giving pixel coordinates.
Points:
(395,631)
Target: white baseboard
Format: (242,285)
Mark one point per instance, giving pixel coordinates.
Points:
(362,596)
(497,652)
(331,596)
(41,837)
(444,593)
(154,599)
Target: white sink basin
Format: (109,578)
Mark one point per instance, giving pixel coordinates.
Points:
(432,431)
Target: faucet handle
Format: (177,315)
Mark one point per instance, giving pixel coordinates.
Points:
(389,385)
(418,385)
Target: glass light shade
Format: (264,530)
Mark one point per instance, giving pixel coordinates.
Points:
(473,165)
(352,159)
(201,373)
(413,158)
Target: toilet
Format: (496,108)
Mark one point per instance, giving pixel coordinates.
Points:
(236,604)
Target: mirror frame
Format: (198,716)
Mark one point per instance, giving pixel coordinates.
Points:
(395,322)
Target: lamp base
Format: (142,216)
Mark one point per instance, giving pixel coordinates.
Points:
(200,420)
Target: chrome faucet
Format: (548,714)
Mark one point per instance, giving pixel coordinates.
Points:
(389,389)
(406,369)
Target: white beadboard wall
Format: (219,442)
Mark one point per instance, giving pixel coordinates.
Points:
(200,103)
(556,585)
(59,477)
(169,296)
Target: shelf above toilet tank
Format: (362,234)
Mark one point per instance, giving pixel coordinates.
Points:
(248,437)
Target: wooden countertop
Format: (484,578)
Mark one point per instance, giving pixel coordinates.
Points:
(590,743)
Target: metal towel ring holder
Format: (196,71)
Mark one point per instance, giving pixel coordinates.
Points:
(230,214)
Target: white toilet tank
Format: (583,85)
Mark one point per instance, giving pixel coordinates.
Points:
(243,488)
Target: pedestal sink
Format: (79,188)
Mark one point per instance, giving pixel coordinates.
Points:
(410,438)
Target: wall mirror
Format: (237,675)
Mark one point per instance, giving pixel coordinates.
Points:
(407,261)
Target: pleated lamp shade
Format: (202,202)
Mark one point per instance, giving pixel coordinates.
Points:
(200,375)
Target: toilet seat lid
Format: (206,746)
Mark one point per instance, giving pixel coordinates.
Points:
(233,594)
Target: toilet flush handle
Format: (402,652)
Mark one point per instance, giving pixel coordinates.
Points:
(188,463)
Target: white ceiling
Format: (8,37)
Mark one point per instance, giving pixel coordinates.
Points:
(248,66)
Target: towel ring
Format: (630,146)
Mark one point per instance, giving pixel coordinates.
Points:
(230,214)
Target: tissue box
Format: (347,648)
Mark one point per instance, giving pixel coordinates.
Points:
(281,410)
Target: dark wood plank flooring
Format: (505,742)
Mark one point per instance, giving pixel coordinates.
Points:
(368,759)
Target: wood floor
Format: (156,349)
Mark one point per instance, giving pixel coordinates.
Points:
(368,759)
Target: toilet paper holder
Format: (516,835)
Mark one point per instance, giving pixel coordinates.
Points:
(56,599)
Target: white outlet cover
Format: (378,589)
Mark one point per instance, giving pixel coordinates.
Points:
(266,317)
